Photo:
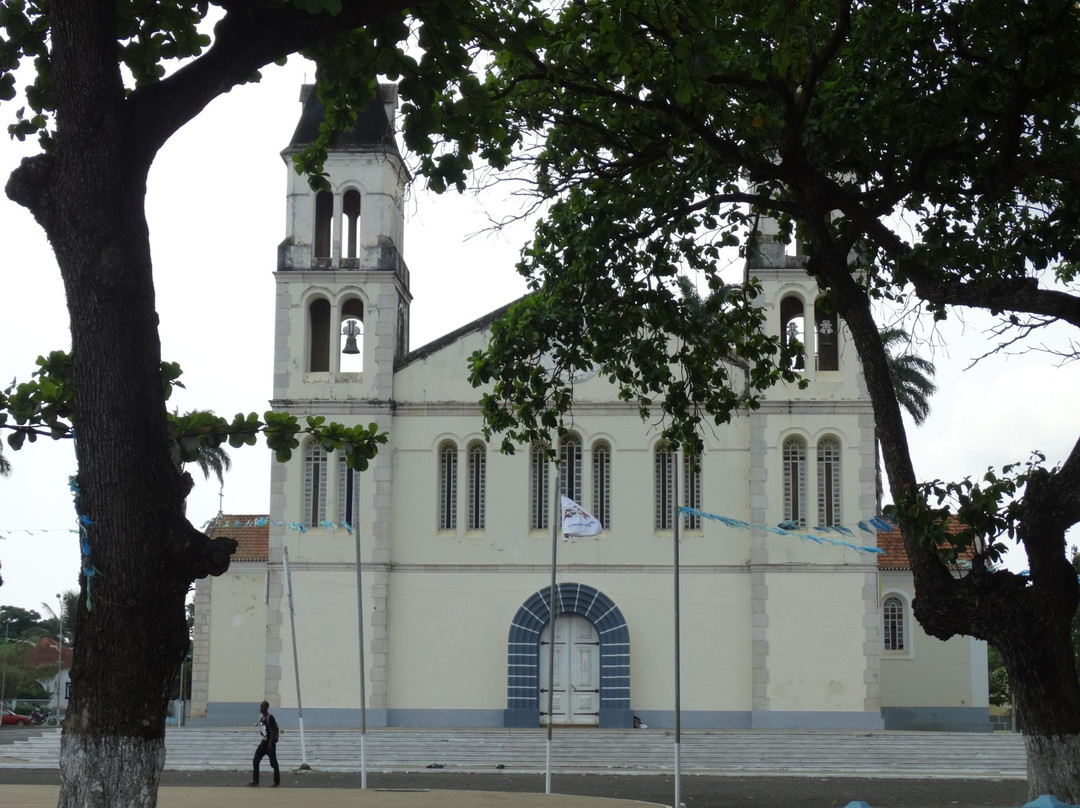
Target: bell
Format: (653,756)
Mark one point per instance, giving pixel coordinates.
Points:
(826,334)
(350,332)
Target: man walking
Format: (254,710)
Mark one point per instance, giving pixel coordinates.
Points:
(268,729)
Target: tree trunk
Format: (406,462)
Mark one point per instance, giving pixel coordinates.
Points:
(131,635)
(1027,619)
(1053,766)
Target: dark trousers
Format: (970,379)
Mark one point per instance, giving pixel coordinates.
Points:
(265,750)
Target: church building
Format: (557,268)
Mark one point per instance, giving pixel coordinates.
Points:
(455,538)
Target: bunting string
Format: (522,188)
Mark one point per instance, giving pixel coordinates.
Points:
(821,536)
(263,521)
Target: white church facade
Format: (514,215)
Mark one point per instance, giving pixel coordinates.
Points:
(455,538)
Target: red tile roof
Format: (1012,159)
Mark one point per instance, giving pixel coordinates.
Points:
(44,654)
(251,532)
(895,556)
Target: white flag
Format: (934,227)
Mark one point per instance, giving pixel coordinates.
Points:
(576,521)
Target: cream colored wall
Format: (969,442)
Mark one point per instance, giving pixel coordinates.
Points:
(815,640)
(715,639)
(327,636)
(450,641)
(237,634)
(933,673)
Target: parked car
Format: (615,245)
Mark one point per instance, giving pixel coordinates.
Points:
(8,717)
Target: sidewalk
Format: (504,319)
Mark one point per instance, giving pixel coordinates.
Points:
(240,797)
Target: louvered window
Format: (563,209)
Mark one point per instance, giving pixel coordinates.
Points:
(570,455)
(664,488)
(477,485)
(348,492)
(448,487)
(691,497)
(828,481)
(795,481)
(893,629)
(315,462)
(601,481)
(538,490)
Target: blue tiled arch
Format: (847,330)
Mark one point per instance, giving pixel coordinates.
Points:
(523,654)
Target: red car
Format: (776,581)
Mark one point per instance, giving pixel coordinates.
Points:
(8,717)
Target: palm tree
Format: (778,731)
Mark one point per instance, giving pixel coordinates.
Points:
(910,375)
(913,387)
(213,460)
(210,459)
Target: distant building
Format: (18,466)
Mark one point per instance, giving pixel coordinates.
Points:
(456,537)
(49,655)
(926,684)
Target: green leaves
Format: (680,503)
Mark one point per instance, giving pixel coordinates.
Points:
(969,518)
(46,406)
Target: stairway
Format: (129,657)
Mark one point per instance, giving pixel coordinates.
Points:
(716,752)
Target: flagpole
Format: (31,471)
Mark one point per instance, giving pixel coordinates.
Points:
(295,659)
(678,694)
(363,688)
(555,523)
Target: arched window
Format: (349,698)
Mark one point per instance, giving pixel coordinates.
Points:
(477,485)
(795,481)
(601,482)
(402,327)
(448,486)
(826,336)
(348,492)
(828,481)
(315,463)
(324,224)
(570,455)
(350,207)
(319,335)
(792,329)
(351,346)
(538,490)
(892,611)
(691,497)
(663,488)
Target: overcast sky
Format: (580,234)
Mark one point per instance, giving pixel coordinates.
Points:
(216,209)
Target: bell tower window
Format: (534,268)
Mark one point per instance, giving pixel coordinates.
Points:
(324,223)
(352,336)
(825,344)
(350,208)
(319,336)
(792,330)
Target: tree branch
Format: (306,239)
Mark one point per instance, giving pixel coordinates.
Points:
(245,41)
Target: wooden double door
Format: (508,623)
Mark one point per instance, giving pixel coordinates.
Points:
(576,700)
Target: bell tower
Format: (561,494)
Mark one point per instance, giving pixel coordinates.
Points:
(343,287)
(342,326)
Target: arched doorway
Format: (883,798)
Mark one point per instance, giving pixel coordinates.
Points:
(600,615)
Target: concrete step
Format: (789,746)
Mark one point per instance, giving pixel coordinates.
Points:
(863,754)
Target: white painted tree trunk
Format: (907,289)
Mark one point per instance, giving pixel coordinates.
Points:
(1053,764)
(110,771)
